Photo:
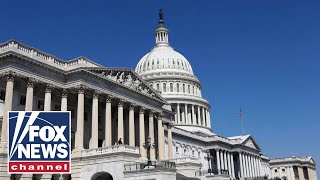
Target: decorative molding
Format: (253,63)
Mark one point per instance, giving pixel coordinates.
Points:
(64,93)
(151,113)
(81,88)
(10,75)
(96,94)
(126,78)
(31,82)
(120,103)
(49,88)
(141,110)
(109,98)
(132,106)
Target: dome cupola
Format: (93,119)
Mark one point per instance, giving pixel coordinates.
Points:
(170,73)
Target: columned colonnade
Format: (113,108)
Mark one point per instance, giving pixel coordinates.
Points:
(192,114)
(79,136)
(247,165)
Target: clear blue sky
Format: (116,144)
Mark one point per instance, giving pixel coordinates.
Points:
(261,55)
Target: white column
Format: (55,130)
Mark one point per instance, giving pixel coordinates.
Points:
(291,173)
(170,145)
(250,166)
(256,166)
(199,117)
(178,113)
(189,116)
(94,121)
(131,126)
(186,114)
(193,115)
(7,107)
(64,100)
(120,121)
(241,164)
(29,94)
(108,126)
(142,138)
(209,119)
(246,165)
(203,117)
(259,166)
(80,119)
(218,160)
(47,98)
(225,160)
(232,166)
(161,138)
(253,166)
(229,164)
(151,135)
(222,160)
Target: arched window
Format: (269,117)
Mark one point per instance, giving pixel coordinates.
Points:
(178,88)
(171,87)
(189,89)
(192,89)
(183,88)
(158,87)
(164,87)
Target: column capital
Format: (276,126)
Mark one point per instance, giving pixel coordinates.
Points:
(169,126)
(151,113)
(160,115)
(109,98)
(64,93)
(31,82)
(132,106)
(10,75)
(81,88)
(49,88)
(96,94)
(120,103)
(141,110)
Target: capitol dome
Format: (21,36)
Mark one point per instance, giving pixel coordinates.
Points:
(163,58)
(170,73)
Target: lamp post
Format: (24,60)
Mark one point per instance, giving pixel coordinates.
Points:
(148,146)
(208,158)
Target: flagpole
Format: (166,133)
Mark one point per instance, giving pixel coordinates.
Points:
(242,127)
(240,115)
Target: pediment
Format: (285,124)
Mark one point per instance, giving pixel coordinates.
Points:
(127,78)
(250,142)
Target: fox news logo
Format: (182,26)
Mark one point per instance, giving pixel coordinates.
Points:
(39,142)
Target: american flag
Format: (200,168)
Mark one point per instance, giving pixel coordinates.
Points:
(240,114)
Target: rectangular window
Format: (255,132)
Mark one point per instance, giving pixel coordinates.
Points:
(23,100)
(178,89)
(164,87)
(40,105)
(2,95)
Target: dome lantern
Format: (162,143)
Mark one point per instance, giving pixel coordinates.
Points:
(161,33)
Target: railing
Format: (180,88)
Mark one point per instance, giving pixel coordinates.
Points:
(109,150)
(186,159)
(212,172)
(257,178)
(34,53)
(153,165)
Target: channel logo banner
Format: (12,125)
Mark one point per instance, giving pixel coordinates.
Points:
(39,142)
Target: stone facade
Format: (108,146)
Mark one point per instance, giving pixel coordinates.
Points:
(161,100)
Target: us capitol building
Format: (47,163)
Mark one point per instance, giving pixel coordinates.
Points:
(157,110)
